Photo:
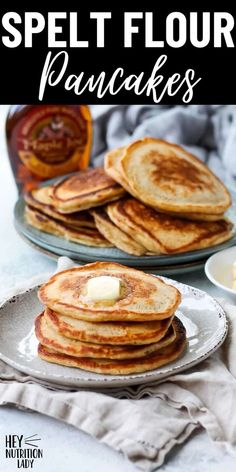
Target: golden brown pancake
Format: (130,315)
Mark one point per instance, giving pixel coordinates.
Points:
(164,234)
(143,297)
(112,167)
(115,235)
(122,367)
(88,188)
(166,177)
(42,195)
(41,199)
(86,236)
(108,333)
(49,337)
(196,216)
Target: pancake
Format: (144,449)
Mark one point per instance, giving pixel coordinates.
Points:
(115,235)
(88,188)
(108,333)
(122,367)
(143,297)
(49,337)
(166,177)
(112,167)
(165,234)
(197,216)
(87,236)
(41,199)
(42,195)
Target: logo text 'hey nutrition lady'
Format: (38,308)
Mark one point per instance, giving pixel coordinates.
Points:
(63,33)
(24,451)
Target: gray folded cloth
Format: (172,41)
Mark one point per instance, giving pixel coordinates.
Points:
(144,422)
(208,131)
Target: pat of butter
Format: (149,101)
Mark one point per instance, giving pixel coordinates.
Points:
(103,288)
(234,270)
(234,285)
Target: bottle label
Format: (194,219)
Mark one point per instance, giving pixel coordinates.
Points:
(52,140)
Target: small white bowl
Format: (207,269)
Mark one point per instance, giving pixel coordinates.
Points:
(219,269)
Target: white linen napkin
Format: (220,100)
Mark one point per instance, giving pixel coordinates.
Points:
(143,422)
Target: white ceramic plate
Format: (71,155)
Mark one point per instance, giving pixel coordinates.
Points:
(203,317)
(219,269)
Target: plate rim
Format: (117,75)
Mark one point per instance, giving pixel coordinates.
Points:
(133,379)
(184,267)
(121,256)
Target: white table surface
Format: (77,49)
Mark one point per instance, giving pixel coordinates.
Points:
(65,447)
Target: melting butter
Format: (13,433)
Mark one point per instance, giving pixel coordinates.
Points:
(103,288)
(234,276)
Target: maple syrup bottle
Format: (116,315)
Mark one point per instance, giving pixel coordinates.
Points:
(45,141)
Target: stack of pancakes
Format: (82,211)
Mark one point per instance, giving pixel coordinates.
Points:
(62,209)
(152,198)
(135,333)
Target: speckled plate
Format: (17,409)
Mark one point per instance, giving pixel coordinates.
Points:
(86,254)
(203,317)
